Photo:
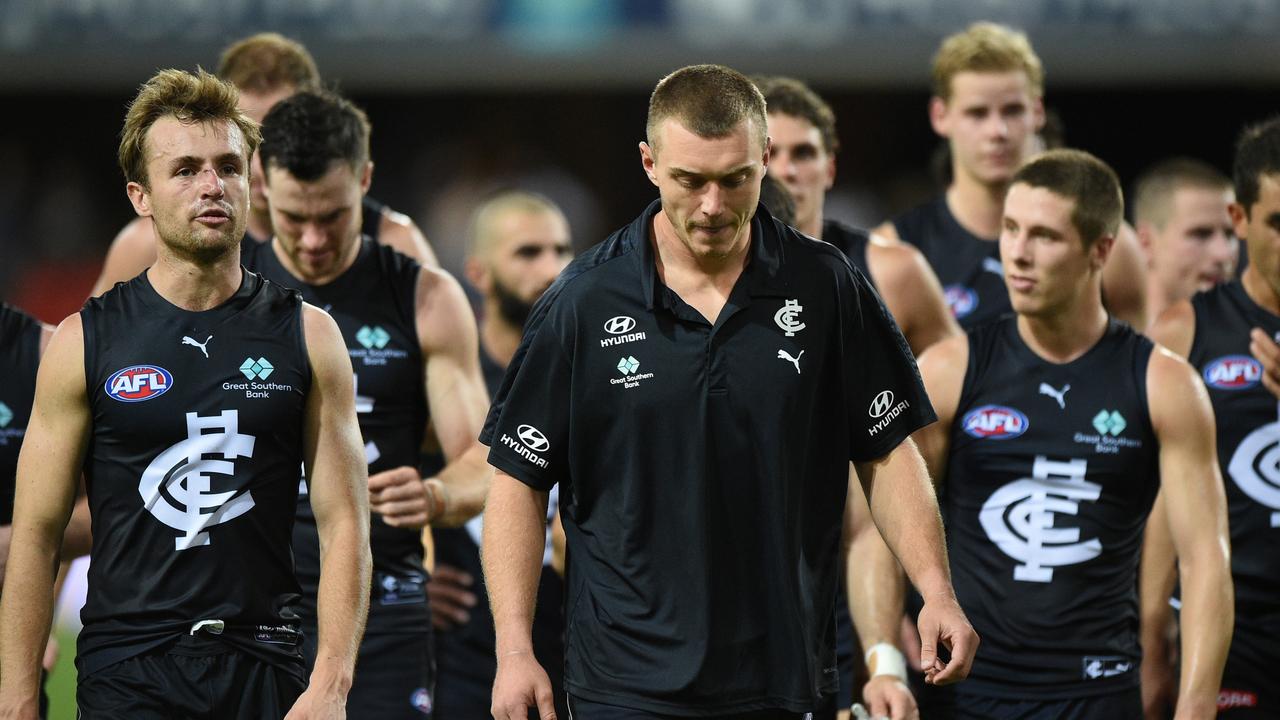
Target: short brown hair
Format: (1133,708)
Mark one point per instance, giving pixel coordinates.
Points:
(1083,178)
(196,98)
(789,96)
(986,47)
(1153,196)
(710,100)
(481,233)
(268,61)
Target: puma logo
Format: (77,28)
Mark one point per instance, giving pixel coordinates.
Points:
(1059,395)
(192,342)
(784,355)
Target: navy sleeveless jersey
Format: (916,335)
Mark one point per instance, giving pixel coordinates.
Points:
(851,241)
(192,469)
(1051,474)
(373,304)
(19,359)
(1248,443)
(968,266)
(371,222)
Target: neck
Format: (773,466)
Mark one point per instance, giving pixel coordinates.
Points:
(1259,290)
(675,259)
(977,206)
(195,285)
(348,259)
(813,225)
(1064,336)
(1158,300)
(498,338)
(259,224)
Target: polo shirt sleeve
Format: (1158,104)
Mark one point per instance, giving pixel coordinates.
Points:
(884,395)
(527,429)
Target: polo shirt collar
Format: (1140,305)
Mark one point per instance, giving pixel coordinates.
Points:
(762,277)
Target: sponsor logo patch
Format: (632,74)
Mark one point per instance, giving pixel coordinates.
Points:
(995,422)
(1233,372)
(622,329)
(961,300)
(139,382)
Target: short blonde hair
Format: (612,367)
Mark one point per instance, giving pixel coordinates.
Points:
(269,61)
(199,97)
(986,47)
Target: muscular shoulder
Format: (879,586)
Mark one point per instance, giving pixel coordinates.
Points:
(885,232)
(397,231)
(62,365)
(1175,329)
(895,264)
(132,250)
(442,314)
(943,367)
(1176,395)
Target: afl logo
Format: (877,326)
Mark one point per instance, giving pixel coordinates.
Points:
(881,404)
(620,324)
(995,422)
(961,300)
(1233,372)
(533,438)
(138,383)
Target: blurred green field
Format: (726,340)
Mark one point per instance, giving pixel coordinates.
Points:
(62,682)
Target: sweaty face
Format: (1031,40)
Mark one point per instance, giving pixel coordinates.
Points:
(531,250)
(1260,227)
(1197,248)
(1046,266)
(198,194)
(317,223)
(709,186)
(991,122)
(799,161)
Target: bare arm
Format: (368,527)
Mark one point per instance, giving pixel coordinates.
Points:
(1196,509)
(48,475)
(875,587)
(397,231)
(1175,330)
(911,292)
(132,251)
(334,458)
(513,543)
(458,401)
(1124,279)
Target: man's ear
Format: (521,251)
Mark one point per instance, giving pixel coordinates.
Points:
(648,158)
(140,197)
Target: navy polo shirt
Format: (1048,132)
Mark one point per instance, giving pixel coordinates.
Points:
(703,467)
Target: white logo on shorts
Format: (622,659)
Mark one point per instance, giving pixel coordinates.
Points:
(175,487)
(1019,518)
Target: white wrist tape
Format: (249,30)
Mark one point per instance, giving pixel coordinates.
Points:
(885,659)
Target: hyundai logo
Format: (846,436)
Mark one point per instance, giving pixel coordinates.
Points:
(881,404)
(620,324)
(533,438)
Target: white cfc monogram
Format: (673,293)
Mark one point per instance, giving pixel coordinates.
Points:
(1019,518)
(176,485)
(1255,468)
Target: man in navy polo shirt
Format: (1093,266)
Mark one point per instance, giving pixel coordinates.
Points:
(698,384)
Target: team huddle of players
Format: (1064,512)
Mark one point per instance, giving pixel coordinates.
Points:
(1104,454)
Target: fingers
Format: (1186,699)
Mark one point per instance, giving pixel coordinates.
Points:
(964,644)
(389,478)
(546,702)
(902,706)
(406,491)
(449,602)
(1262,347)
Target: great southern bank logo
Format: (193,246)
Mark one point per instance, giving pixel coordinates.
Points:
(1233,372)
(995,422)
(139,382)
(373,337)
(256,369)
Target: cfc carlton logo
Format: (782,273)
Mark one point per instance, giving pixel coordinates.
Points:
(1233,372)
(995,422)
(139,382)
